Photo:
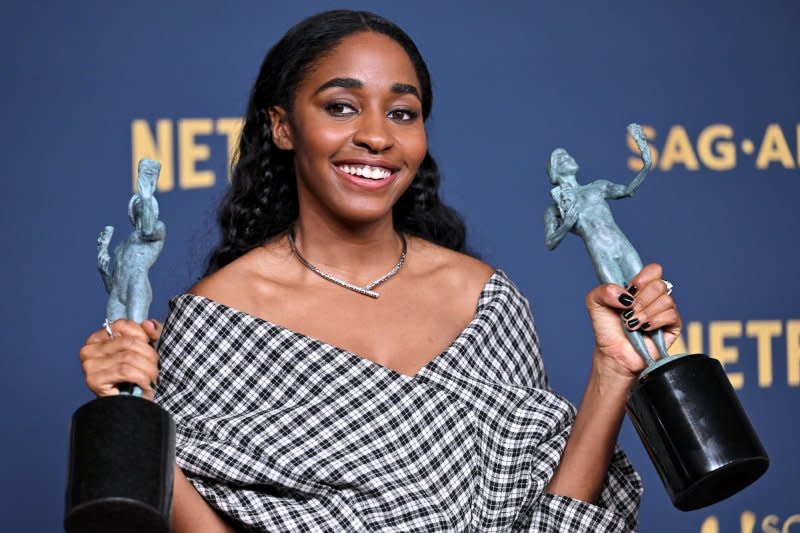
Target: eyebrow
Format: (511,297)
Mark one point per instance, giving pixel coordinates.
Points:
(352,83)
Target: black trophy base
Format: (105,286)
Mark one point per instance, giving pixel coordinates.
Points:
(117,515)
(121,467)
(696,431)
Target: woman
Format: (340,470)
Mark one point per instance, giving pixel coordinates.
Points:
(302,401)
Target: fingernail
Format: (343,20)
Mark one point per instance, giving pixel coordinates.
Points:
(626,299)
(632,289)
(627,314)
(645,325)
(633,323)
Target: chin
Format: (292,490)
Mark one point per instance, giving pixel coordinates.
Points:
(365,214)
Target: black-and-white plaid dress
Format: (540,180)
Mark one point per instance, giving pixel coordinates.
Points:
(283,432)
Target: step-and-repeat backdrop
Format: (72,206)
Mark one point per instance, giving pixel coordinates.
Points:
(89,87)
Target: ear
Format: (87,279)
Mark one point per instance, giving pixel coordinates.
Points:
(281,129)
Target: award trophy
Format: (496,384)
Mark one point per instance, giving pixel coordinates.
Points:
(122,448)
(683,407)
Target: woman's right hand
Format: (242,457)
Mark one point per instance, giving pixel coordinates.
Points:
(127,357)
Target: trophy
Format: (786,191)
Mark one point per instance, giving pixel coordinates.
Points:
(683,407)
(122,448)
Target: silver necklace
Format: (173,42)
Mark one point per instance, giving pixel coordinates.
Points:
(366,290)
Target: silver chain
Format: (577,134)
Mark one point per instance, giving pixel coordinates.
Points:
(366,290)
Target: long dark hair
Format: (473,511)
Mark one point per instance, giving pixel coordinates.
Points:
(262,199)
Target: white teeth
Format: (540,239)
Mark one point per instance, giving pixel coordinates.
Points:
(366,171)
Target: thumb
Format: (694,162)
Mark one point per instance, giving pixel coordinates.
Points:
(153,328)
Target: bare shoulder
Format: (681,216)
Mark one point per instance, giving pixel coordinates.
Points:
(456,275)
(245,282)
(225,284)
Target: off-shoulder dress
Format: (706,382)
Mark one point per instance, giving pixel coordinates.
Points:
(283,432)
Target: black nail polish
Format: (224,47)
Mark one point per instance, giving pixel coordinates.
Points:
(626,300)
(633,323)
(632,289)
(645,325)
(627,314)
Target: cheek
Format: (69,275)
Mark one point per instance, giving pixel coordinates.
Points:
(416,147)
(314,137)
(321,142)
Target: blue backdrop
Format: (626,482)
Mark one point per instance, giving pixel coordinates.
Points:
(88,87)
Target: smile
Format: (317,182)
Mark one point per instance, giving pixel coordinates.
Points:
(366,171)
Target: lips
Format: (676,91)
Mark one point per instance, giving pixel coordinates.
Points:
(370,176)
(367,169)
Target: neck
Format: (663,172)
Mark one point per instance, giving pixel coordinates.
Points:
(358,253)
(568,181)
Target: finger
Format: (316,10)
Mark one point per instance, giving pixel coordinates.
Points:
(128,328)
(645,296)
(648,274)
(119,345)
(101,387)
(145,363)
(643,317)
(609,295)
(97,336)
(669,320)
(104,382)
(149,393)
(152,328)
(118,328)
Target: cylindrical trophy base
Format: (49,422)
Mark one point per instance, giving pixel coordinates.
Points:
(121,467)
(696,431)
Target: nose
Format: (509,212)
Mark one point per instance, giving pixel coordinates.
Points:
(373,132)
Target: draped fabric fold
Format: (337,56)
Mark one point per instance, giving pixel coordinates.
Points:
(282,432)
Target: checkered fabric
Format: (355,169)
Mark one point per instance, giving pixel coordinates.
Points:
(282,432)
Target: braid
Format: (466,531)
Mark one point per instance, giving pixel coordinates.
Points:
(421,212)
(261,201)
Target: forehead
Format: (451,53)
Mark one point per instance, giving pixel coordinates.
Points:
(371,57)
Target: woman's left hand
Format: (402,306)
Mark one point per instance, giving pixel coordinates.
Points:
(651,306)
(615,365)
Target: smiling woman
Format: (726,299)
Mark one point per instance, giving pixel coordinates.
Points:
(368,120)
(345,365)
(263,201)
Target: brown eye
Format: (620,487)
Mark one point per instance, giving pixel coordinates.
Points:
(340,109)
(403,115)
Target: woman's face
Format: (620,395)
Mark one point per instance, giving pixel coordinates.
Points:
(356,129)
